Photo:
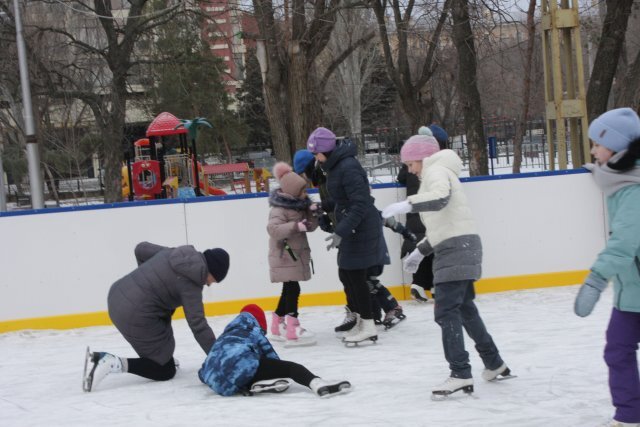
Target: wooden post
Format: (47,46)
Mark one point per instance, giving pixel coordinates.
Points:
(564,83)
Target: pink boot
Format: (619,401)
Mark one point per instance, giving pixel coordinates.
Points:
(278,328)
(297,336)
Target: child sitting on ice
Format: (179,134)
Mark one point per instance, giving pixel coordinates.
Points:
(243,361)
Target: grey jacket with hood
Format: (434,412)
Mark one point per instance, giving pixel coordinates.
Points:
(142,302)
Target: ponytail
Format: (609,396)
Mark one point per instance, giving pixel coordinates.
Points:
(628,159)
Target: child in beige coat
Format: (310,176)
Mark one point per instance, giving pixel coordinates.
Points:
(290,218)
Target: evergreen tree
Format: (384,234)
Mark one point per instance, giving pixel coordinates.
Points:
(189,84)
(251,104)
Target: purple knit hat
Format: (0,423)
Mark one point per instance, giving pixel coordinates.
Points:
(418,147)
(321,140)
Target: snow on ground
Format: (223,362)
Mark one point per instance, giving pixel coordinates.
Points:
(562,379)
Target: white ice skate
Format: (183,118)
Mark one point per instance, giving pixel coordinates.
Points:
(97,366)
(418,293)
(450,386)
(365,330)
(500,374)
(277,385)
(614,423)
(326,389)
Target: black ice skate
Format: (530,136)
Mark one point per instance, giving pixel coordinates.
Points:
(393,317)
(348,323)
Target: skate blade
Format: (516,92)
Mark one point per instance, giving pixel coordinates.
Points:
(503,378)
(390,325)
(299,343)
(277,386)
(87,377)
(446,394)
(369,341)
(277,338)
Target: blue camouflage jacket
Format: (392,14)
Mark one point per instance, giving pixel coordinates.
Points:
(234,358)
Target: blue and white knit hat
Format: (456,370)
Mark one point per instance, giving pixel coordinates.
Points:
(615,129)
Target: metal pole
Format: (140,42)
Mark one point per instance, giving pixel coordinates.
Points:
(3,198)
(33,155)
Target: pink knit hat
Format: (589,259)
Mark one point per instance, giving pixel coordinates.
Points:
(418,147)
(290,182)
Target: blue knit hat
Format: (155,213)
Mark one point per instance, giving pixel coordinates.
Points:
(301,160)
(440,135)
(615,129)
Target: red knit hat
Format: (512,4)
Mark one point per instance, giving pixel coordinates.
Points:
(256,312)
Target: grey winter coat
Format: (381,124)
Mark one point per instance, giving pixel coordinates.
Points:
(358,221)
(284,216)
(142,302)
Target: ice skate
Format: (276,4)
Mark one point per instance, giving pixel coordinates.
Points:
(393,317)
(326,389)
(97,366)
(614,423)
(278,328)
(276,385)
(364,331)
(296,335)
(347,324)
(418,293)
(450,386)
(500,374)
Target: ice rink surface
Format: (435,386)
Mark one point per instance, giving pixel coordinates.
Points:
(562,378)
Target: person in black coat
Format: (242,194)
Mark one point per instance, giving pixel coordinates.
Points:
(358,226)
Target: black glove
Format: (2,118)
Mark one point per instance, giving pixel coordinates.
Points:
(324,222)
(409,235)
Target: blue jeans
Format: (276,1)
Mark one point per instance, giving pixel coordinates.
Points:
(454,310)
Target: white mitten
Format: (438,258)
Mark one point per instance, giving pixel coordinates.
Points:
(412,261)
(396,209)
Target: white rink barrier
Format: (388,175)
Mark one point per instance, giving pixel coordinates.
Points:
(56,265)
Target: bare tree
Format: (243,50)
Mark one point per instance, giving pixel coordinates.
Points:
(352,26)
(526,87)
(468,85)
(607,57)
(416,102)
(97,64)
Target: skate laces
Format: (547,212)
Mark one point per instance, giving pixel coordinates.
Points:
(350,317)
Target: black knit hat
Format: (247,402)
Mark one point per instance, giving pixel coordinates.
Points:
(217,263)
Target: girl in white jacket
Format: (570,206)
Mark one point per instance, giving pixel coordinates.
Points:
(451,235)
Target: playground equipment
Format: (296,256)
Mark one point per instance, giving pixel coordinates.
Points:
(165,166)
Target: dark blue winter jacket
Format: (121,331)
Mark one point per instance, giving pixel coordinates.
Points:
(234,358)
(358,221)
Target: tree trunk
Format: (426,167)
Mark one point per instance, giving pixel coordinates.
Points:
(468,83)
(526,88)
(630,91)
(606,62)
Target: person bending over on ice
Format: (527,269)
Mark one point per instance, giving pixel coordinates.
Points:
(357,229)
(243,360)
(141,305)
(616,147)
(451,235)
(290,218)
